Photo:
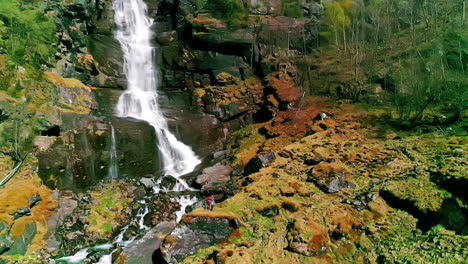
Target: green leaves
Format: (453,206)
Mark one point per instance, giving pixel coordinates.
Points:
(336,19)
(27,33)
(292,8)
(234,12)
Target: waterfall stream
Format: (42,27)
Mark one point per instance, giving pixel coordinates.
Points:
(113,163)
(140,101)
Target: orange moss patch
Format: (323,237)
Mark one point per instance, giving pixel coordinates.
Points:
(284,87)
(14,196)
(204,21)
(66,82)
(200,212)
(324,169)
(342,220)
(86,60)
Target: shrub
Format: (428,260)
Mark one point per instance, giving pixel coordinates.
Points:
(28,34)
(292,8)
(234,12)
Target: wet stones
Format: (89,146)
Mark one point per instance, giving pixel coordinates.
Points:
(148,183)
(168,182)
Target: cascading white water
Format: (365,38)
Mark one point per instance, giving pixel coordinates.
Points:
(140,100)
(114,165)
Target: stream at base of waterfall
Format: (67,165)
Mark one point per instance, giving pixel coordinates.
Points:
(140,101)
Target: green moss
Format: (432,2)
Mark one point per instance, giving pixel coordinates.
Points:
(110,203)
(107,227)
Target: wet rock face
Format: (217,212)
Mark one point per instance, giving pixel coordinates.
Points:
(88,50)
(200,232)
(80,157)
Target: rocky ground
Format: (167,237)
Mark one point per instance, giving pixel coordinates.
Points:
(324,184)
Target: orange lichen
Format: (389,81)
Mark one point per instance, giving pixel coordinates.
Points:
(66,82)
(200,212)
(284,87)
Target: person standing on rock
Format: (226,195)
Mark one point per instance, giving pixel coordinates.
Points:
(210,202)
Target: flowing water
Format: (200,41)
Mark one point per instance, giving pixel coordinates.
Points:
(140,101)
(113,163)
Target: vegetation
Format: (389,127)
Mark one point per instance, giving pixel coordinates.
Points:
(27,43)
(419,60)
(17,130)
(234,12)
(292,8)
(27,33)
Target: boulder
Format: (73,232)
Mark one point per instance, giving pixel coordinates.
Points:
(70,94)
(108,56)
(260,161)
(215,179)
(148,183)
(19,244)
(197,230)
(213,34)
(141,251)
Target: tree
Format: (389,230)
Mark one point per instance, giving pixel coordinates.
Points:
(336,20)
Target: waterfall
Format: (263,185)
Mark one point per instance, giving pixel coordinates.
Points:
(140,100)
(113,163)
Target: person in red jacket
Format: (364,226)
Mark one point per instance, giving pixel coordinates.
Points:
(210,202)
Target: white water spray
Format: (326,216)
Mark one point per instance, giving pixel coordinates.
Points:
(114,163)
(140,100)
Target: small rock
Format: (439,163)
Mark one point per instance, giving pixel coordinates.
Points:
(34,200)
(458,151)
(148,183)
(261,161)
(219,154)
(269,211)
(21,212)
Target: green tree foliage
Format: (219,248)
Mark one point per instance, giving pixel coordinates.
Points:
(27,41)
(292,8)
(435,79)
(336,19)
(29,34)
(234,12)
(17,129)
(420,45)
